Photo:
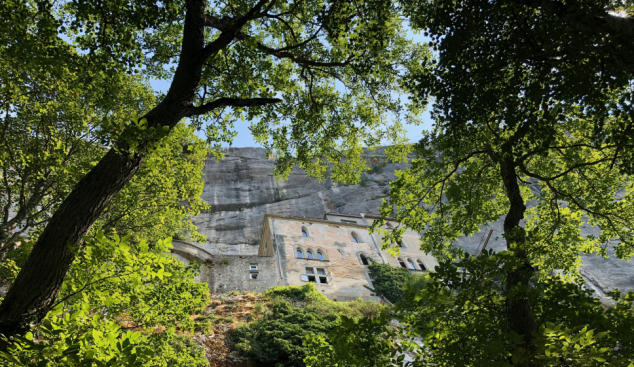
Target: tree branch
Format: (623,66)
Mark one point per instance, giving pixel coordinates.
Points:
(224,102)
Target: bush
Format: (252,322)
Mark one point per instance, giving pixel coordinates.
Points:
(294,312)
(392,282)
(299,293)
(182,351)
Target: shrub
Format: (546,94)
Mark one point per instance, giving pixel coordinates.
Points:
(392,282)
(299,293)
(182,351)
(276,339)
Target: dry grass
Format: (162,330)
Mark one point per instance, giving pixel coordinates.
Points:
(225,312)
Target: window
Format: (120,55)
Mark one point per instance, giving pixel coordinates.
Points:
(300,254)
(364,260)
(320,256)
(253,267)
(371,277)
(354,238)
(421,266)
(349,221)
(400,243)
(309,253)
(388,226)
(411,264)
(316,275)
(253,276)
(304,232)
(402,263)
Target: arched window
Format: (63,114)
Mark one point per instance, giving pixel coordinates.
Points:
(309,253)
(400,243)
(320,256)
(421,266)
(364,260)
(402,263)
(304,232)
(300,254)
(411,264)
(355,239)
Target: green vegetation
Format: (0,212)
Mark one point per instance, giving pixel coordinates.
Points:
(391,282)
(293,313)
(459,314)
(116,286)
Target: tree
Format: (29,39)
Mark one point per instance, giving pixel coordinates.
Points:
(547,51)
(282,60)
(529,106)
(491,168)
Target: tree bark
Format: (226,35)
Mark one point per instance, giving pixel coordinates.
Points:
(34,291)
(519,313)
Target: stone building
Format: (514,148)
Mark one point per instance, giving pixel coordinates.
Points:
(333,253)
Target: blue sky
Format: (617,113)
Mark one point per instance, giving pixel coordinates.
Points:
(244,138)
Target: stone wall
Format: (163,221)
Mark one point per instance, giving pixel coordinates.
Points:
(231,273)
(349,276)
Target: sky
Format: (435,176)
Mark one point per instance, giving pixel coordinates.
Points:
(245,139)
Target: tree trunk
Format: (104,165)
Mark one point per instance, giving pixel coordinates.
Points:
(519,314)
(35,289)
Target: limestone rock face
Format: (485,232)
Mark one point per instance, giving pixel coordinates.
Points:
(241,190)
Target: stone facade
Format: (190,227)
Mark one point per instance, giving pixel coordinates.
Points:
(333,253)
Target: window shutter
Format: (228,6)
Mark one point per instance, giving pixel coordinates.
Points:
(304,277)
(328,277)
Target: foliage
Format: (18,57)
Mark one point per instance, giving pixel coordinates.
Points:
(165,194)
(292,314)
(116,285)
(57,123)
(182,351)
(391,281)
(298,52)
(460,316)
(531,59)
(355,343)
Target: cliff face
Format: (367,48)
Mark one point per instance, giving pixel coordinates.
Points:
(241,190)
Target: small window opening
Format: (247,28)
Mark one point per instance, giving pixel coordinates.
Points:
(355,239)
(253,276)
(400,243)
(402,263)
(411,265)
(304,233)
(300,254)
(364,260)
(320,256)
(316,275)
(253,267)
(310,254)
(421,266)
(388,226)
(371,276)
